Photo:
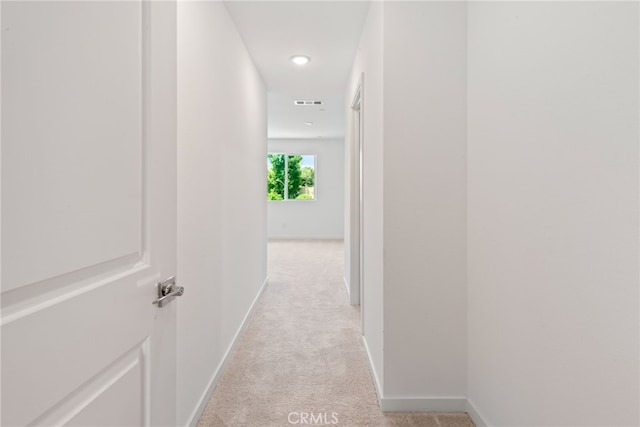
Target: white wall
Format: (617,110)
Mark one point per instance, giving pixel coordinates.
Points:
(553,213)
(425,200)
(523,117)
(552,204)
(222,129)
(368,60)
(321,218)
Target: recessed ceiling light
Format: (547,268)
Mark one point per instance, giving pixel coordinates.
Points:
(300,59)
(308,123)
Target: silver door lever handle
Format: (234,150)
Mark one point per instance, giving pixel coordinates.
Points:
(167,290)
(179,290)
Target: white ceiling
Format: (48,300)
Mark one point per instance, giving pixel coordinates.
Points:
(326,31)
(288,121)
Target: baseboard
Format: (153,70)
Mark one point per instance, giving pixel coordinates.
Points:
(432,404)
(340,238)
(423,404)
(478,420)
(197,413)
(376,380)
(346,286)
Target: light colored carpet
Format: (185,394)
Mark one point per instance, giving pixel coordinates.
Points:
(301,353)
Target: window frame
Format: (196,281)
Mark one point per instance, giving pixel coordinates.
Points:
(286,155)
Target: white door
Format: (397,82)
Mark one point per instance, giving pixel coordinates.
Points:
(88,212)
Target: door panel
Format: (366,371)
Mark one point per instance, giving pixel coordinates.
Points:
(88,212)
(125,388)
(72,119)
(54,350)
(120,386)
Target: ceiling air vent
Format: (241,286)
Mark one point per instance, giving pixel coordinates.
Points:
(304,102)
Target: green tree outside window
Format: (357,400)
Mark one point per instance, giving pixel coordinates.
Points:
(290,176)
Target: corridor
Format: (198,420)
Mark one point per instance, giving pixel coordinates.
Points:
(188,186)
(300,360)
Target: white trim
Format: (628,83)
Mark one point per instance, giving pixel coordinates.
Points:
(145,350)
(341,238)
(423,404)
(431,404)
(374,375)
(199,409)
(346,285)
(473,413)
(354,212)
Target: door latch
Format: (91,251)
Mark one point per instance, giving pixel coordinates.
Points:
(167,291)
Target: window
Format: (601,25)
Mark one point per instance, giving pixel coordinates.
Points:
(291,176)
